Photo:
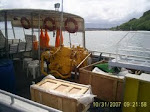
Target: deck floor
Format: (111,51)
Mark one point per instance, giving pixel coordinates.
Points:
(23,88)
(22,81)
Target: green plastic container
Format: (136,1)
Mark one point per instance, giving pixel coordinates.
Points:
(105,68)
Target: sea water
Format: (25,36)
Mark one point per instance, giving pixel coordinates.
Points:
(132,42)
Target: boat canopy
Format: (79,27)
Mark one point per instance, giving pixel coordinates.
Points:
(36,18)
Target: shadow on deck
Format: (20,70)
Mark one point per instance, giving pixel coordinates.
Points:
(22,81)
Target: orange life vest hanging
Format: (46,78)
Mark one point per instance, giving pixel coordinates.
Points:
(47,38)
(57,42)
(35,45)
(42,39)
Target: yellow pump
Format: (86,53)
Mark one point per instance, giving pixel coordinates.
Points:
(63,60)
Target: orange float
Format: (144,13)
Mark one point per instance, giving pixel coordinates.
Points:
(57,42)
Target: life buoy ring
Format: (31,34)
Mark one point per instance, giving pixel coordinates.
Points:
(50,28)
(75,24)
(23,20)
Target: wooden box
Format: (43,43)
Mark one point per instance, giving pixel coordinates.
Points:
(51,92)
(106,87)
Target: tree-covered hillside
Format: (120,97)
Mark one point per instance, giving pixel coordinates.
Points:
(143,23)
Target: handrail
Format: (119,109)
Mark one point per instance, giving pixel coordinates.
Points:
(139,47)
(12,96)
(145,32)
(110,54)
(122,38)
(133,50)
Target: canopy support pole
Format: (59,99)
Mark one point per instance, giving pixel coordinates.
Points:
(24,33)
(32,32)
(84,35)
(13,30)
(61,21)
(6,35)
(39,52)
(70,40)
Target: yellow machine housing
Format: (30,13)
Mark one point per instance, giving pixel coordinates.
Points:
(63,60)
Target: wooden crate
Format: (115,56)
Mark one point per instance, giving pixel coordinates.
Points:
(45,91)
(106,87)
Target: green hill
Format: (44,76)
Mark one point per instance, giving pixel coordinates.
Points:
(143,23)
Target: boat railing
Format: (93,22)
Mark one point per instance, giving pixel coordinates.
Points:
(133,57)
(111,55)
(21,104)
(2,40)
(103,53)
(129,51)
(137,47)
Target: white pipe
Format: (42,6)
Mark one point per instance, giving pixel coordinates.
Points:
(70,40)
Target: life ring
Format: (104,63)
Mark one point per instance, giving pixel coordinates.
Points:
(23,20)
(75,24)
(52,28)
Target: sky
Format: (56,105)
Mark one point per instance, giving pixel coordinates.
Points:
(97,13)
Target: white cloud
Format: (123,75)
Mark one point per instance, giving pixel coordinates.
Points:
(93,11)
(108,11)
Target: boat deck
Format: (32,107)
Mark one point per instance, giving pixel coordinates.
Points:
(23,88)
(22,81)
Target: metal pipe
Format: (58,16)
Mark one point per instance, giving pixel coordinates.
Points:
(5,105)
(130,50)
(117,45)
(28,101)
(70,40)
(32,32)
(84,35)
(13,30)
(61,21)
(120,54)
(39,45)
(24,33)
(6,35)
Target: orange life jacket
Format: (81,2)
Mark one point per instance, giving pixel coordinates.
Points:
(47,38)
(57,42)
(42,41)
(35,45)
